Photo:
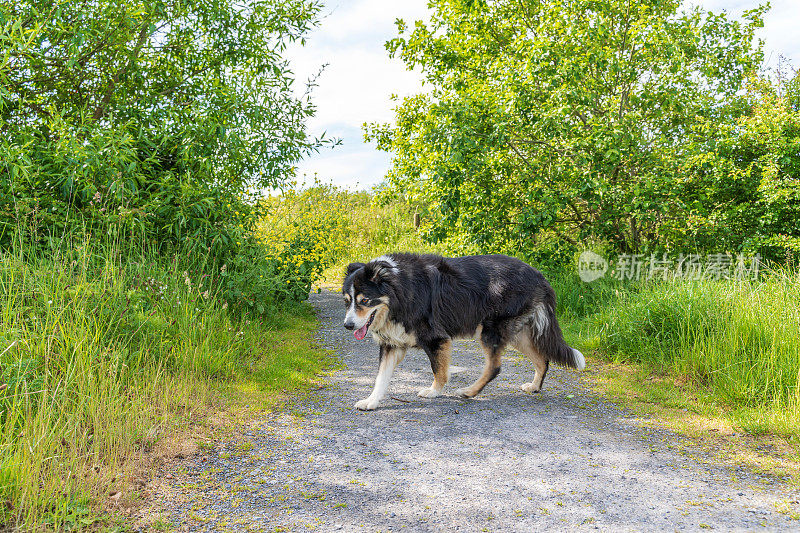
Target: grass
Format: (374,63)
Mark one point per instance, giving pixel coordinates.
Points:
(102,359)
(669,402)
(739,342)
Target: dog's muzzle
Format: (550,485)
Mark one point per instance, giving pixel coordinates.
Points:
(361,332)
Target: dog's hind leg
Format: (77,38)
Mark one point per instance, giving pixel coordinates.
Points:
(391,356)
(493,350)
(522,342)
(440,357)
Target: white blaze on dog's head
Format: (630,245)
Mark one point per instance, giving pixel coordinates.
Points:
(350,302)
(389,260)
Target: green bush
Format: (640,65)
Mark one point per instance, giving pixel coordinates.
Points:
(154,122)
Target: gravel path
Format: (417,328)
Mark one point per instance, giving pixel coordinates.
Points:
(505,461)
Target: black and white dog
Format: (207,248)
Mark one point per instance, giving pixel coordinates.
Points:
(426,301)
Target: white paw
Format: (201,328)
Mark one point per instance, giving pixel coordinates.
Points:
(464,393)
(530,387)
(367,404)
(428,392)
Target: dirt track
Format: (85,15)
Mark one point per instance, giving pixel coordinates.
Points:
(505,461)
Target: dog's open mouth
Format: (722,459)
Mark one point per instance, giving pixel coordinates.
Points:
(361,332)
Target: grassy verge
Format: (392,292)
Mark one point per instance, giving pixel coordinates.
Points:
(739,341)
(670,402)
(104,361)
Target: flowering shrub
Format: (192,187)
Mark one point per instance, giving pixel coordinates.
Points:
(306,231)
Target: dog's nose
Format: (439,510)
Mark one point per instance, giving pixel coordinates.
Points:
(349,325)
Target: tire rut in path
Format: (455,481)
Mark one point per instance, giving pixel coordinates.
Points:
(505,461)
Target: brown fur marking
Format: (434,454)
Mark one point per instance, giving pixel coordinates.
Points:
(490,371)
(522,342)
(443,358)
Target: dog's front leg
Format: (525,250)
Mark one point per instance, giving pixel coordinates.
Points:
(390,357)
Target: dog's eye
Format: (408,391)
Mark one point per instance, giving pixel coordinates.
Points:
(364,302)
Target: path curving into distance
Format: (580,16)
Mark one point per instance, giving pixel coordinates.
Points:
(505,461)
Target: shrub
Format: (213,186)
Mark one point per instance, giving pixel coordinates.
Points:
(152,121)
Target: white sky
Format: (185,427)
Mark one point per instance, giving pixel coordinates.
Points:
(360,77)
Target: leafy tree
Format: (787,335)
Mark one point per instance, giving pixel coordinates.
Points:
(743,191)
(162,114)
(562,121)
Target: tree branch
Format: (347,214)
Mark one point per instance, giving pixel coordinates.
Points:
(100,110)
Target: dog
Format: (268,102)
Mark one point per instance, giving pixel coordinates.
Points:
(426,301)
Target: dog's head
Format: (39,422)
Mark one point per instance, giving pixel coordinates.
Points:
(366,294)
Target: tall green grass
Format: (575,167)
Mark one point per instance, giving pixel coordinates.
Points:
(738,340)
(104,349)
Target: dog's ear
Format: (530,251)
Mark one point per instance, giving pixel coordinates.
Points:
(352,267)
(378,271)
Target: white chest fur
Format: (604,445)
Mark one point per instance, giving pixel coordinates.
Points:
(395,334)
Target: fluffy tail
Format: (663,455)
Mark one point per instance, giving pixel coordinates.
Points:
(549,340)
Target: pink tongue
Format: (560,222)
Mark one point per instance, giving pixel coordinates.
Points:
(361,332)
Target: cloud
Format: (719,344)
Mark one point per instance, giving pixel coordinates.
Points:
(356,85)
(354,22)
(780,32)
(355,165)
(360,168)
